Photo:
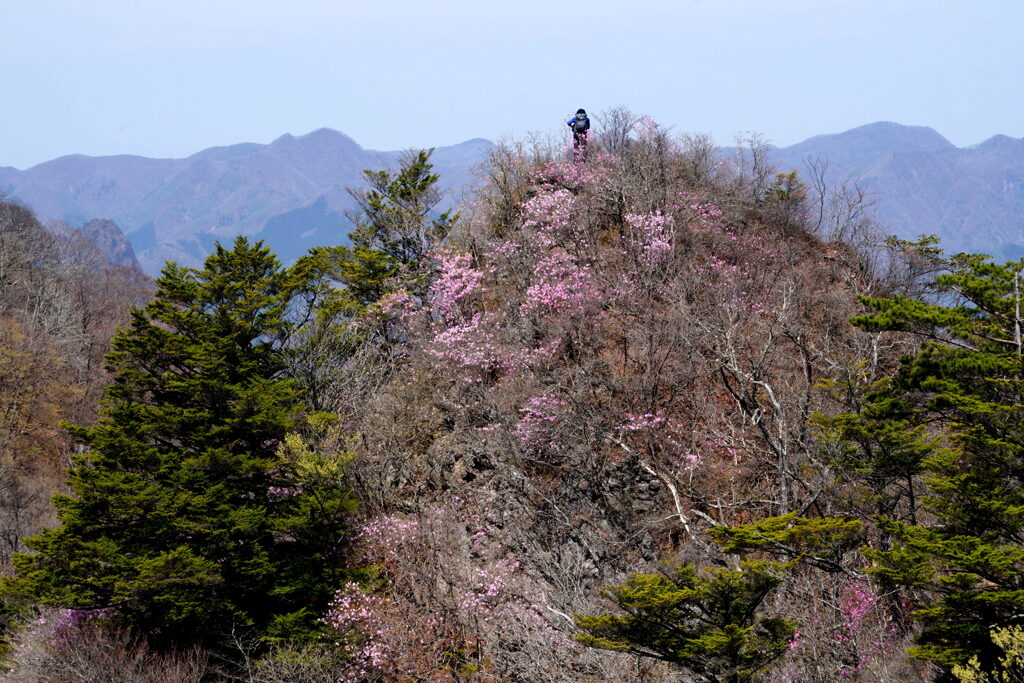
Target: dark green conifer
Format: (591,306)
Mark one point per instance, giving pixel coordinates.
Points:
(397,212)
(183,518)
(395,228)
(708,622)
(965,554)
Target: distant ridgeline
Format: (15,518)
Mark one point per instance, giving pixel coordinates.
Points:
(291,193)
(971,197)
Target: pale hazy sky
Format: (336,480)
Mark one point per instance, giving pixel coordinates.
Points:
(170,77)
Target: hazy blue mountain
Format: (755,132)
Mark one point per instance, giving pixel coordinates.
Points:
(111,242)
(292,192)
(971,197)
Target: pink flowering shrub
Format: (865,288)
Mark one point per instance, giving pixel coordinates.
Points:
(469,344)
(398,304)
(610,358)
(851,635)
(661,437)
(450,589)
(276,494)
(567,173)
(864,626)
(462,334)
(358,620)
(69,646)
(561,288)
(486,595)
(456,281)
(649,237)
(558,288)
(549,216)
(537,424)
(858,599)
(743,267)
(706,216)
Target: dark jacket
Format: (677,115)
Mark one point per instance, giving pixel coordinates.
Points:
(579,127)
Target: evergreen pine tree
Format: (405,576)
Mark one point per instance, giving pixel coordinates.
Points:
(966,555)
(709,622)
(397,213)
(183,519)
(395,228)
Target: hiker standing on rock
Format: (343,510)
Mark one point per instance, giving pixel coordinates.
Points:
(580,124)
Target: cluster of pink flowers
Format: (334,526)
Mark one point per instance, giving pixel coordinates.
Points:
(635,423)
(468,344)
(743,280)
(469,338)
(69,620)
(482,588)
(743,302)
(706,210)
(463,337)
(707,213)
(721,266)
(688,462)
(650,236)
(719,443)
(857,601)
(540,416)
(386,535)
(561,288)
(549,214)
(663,435)
(456,281)
(398,304)
(507,249)
(355,617)
(484,599)
(571,174)
(275,494)
(473,347)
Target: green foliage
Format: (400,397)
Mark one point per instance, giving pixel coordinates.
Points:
(184,518)
(819,541)
(362,272)
(953,413)
(395,228)
(883,448)
(786,187)
(397,211)
(1010,667)
(706,621)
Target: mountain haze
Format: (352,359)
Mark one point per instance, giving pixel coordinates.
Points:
(176,208)
(293,191)
(971,197)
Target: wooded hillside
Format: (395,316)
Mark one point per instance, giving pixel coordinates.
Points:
(610,422)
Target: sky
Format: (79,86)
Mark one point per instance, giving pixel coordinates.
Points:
(169,78)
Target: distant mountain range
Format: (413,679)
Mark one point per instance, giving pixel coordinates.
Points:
(293,192)
(971,197)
